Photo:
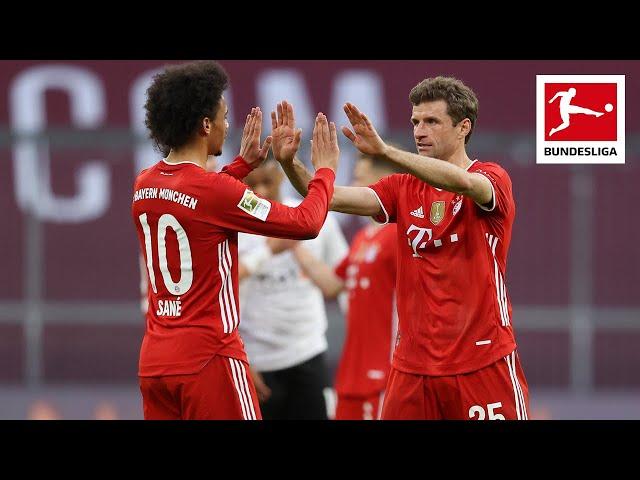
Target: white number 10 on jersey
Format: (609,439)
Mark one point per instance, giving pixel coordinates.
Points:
(186,268)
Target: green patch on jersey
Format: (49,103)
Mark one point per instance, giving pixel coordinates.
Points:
(254,205)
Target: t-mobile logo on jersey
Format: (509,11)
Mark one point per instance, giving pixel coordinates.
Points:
(580,119)
(417,243)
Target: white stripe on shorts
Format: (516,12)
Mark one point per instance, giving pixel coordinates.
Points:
(247,390)
(516,394)
(238,388)
(520,392)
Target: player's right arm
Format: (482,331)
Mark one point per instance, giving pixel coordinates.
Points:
(319,272)
(353,200)
(286,140)
(235,207)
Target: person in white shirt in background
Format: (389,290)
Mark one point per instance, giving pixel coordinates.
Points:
(283,320)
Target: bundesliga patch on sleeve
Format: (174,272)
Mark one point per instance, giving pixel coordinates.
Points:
(254,206)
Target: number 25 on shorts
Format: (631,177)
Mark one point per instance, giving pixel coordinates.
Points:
(477,409)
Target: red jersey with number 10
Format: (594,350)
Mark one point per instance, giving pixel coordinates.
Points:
(453,308)
(187,221)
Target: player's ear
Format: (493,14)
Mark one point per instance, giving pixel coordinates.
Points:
(465,127)
(206,126)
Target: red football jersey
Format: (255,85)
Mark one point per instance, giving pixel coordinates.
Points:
(453,307)
(187,221)
(369,272)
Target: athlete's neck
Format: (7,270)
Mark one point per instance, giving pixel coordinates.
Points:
(189,153)
(460,159)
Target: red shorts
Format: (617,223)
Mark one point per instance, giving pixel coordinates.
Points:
(359,408)
(496,392)
(222,390)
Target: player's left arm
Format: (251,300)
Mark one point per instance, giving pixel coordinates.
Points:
(238,169)
(430,170)
(443,175)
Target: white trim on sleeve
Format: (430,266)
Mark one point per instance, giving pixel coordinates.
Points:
(493,195)
(381,206)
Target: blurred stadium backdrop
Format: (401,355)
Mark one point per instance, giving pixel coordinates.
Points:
(72,139)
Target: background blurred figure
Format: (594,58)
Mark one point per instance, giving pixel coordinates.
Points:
(368,274)
(106,410)
(283,317)
(43,410)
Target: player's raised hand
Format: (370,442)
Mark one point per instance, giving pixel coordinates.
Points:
(250,149)
(364,136)
(286,138)
(324,147)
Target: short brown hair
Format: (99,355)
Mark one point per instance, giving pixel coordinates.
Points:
(461,100)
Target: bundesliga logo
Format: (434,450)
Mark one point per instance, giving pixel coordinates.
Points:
(580,119)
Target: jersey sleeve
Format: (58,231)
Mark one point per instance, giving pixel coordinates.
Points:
(502,199)
(231,205)
(386,191)
(238,168)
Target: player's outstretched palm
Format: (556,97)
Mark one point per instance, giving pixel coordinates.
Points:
(324,146)
(286,138)
(250,149)
(365,138)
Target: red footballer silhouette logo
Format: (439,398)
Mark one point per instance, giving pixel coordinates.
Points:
(580,112)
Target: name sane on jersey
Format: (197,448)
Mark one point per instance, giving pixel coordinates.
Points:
(169,308)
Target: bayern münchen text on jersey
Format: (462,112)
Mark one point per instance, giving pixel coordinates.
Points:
(166,194)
